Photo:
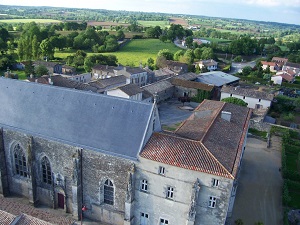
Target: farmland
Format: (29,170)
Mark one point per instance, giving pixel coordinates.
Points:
(162,24)
(13,21)
(135,52)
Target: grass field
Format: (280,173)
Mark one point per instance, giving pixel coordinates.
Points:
(216,40)
(162,24)
(135,52)
(29,20)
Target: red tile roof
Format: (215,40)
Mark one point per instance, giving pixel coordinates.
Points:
(204,142)
(6,218)
(184,153)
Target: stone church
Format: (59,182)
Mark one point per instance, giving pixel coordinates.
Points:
(66,149)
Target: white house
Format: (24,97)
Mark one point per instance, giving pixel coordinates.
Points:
(254,98)
(129,91)
(209,64)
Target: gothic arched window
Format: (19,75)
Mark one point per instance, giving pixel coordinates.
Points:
(108,192)
(46,171)
(20,161)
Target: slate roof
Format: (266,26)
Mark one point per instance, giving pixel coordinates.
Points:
(216,78)
(79,118)
(104,83)
(188,76)
(192,84)
(205,141)
(158,86)
(294,65)
(45,63)
(248,92)
(131,89)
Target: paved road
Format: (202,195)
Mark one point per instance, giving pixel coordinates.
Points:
(259,191)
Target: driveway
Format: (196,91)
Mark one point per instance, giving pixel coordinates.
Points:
(259,192)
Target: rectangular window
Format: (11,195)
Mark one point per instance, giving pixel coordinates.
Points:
(259,100)
(161,170)
(215,182)
(230,95)
(144,185)
(144,218)
(244,97)
(170,192)
(163,221)
(212,202)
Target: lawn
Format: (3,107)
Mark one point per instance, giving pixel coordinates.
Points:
(29,20)
(162,24)
(135,52)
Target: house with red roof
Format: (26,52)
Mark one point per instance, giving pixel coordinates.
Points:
(190,176)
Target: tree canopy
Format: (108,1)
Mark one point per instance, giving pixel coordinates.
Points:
(235,101)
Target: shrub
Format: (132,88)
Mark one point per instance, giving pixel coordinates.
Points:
(239,222)
(286,198)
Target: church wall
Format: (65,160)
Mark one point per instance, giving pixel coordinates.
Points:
(61,161)
(60,157)
(98,167)
(17,184)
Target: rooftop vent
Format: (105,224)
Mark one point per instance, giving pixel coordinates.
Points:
(226,115)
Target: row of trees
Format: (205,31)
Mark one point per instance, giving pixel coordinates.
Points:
(36,41)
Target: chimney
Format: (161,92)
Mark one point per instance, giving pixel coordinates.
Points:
(226,115)
(50,81)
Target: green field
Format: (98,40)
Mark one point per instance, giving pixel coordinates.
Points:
(29,20)
(135,52)
(162,24)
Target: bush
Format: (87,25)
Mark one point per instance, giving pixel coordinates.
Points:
(292,149)
(289,116)
(259,133)
(286,198)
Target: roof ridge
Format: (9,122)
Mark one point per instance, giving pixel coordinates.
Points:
(182,123)
(243,134)
(212,122)
(217,161)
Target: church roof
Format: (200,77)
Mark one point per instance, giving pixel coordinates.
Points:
(79,118)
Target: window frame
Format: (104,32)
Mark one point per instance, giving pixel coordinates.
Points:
(47,171)
(215,182)
(163,221)
(170,192)
(161,170)
(212,202)
(108,192)
(20,162)
(144,185)
(144,215)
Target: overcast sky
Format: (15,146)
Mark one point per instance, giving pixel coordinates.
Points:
(285,11)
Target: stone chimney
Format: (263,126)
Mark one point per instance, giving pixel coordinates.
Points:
(226,115)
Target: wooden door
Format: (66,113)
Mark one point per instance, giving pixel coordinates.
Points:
(61,201)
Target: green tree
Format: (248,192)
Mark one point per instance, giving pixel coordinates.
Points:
(29,68)
(198,53)
(41,70)
(246,70)
(35,47)
(178,54)
(47,49)
(235,101)
(120,35)
(88,64)
(207,53)
(189,42)
(166,53)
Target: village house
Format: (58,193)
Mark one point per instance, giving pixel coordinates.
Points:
(112,156)
(209,64)
(272,65)
(52,67)
(129,91)
(256,99)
